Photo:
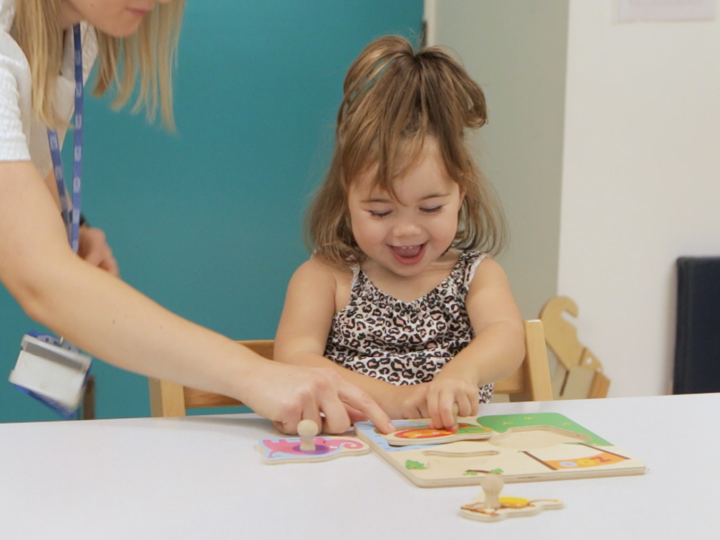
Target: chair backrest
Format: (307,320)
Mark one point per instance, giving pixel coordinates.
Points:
(579,373)
(531,381)
(172,399)
(697,346)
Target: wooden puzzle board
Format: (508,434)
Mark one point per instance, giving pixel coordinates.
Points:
(523,448)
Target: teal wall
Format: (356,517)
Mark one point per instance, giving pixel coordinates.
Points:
(207,221)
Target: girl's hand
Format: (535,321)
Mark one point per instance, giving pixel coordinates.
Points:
(93,248)
(407,401)
(444,391)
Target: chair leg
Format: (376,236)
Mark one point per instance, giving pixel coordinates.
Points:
(88,400)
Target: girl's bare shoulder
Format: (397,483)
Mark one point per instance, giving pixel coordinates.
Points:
(316,270)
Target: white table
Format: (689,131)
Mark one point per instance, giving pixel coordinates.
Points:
(202,477)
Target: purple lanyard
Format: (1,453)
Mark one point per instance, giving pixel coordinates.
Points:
(72,222)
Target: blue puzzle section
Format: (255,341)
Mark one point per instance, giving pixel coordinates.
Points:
(369,430)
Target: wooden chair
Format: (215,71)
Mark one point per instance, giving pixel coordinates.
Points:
(579,373)
(172,399)
(531,382)
(87,405)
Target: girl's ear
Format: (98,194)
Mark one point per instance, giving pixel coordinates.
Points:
(461,206)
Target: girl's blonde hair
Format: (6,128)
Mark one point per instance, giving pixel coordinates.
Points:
(394,99)
(149,55)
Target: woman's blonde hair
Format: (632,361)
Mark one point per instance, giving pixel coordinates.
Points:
(394,99)
(149,55)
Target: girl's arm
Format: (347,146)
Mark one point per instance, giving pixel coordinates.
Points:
(110,320)
(303,332)
(496,351)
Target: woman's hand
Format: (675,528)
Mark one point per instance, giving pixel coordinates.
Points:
(287,394)
(93,248)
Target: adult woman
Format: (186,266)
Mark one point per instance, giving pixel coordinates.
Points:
(81,298)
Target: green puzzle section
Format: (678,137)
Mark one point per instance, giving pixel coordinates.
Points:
(504,422)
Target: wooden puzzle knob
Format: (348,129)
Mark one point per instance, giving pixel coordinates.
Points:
(307,429)
(492,484)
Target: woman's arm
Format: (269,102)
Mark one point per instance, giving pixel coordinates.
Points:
(92,245)
(303,332)
(496,351)
(110,320)
(94,249)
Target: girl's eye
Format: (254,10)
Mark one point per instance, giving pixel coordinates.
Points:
(432,210)
(376,213)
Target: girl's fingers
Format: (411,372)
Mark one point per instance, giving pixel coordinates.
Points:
(464,404)
(440,409)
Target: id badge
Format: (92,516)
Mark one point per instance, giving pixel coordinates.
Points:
(54,374)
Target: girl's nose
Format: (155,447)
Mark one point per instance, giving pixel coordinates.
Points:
(406,227)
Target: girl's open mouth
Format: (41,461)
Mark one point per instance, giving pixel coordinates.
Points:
(408,254)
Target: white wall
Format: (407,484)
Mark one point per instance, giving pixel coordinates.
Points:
(640,166)
(516,51)
(640,183)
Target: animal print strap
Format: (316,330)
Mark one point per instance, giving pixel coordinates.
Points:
(472,268)
(356,274)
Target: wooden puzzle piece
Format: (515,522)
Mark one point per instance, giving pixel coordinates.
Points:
(490,506)
(307,429)
(308,448)
(421,433)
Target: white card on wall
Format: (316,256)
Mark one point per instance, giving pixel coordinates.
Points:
(665,10)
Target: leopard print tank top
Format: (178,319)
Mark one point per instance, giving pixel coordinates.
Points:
(400,342)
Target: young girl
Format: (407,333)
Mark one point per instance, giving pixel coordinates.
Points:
(79,296)
(396,296)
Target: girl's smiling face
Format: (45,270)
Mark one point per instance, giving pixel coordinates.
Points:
(407,233)
(118,18)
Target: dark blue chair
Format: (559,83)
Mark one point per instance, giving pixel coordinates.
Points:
(697,345)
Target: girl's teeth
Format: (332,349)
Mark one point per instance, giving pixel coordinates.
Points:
(408,251)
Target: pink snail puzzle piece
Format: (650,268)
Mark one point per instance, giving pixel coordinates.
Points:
(287,450)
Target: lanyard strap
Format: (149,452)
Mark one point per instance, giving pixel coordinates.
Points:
(72,219)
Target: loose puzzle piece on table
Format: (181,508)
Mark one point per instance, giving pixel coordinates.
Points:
(490,506)
(509,507)
(523,447)
(287,450)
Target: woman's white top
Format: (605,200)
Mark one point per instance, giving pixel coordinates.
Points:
(22,136)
